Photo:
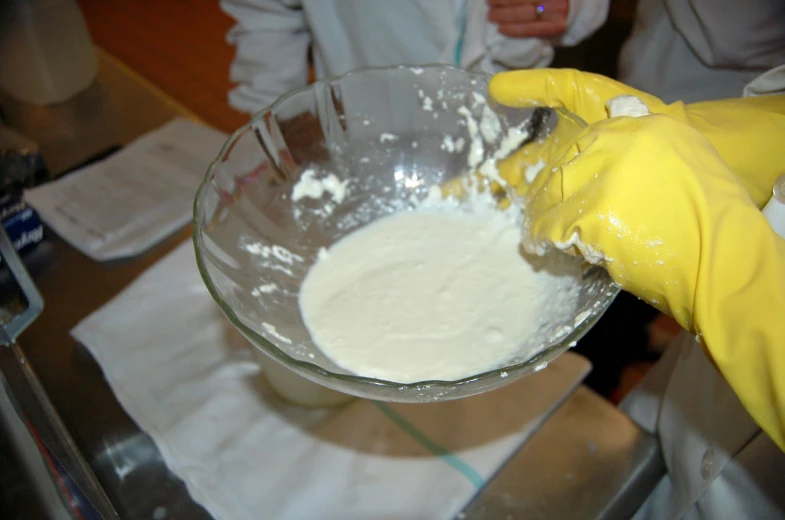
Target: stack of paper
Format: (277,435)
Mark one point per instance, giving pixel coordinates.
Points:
(125,204)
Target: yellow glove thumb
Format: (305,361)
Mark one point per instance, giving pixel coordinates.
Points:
(581,93)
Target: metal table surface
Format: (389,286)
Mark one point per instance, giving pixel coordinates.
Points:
(128,467)
(591,463)
(117,108)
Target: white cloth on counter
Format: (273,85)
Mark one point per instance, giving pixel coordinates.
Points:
(188,378)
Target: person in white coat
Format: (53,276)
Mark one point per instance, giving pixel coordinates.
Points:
(272,37)
(699,50)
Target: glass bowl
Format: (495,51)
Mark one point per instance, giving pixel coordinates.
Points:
(393,132)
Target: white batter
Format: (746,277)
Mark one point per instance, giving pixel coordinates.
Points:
(627,106)
(431,295)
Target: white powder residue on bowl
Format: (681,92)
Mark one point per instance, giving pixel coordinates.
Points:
(476,146)
(270,257)
(490,126)
(266,288)
(310,187)
(488,130)
(275,251)
(452,145)
(510,142)
(441,292)
(272,331)
(515,136)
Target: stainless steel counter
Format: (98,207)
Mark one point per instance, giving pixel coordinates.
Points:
(126,463)
(587,462)
(117,108)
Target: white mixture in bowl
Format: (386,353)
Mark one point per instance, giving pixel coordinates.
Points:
(435,294)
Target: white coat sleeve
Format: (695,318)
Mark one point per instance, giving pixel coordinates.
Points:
(584,18)
(768,83)
(271,39)
(744,34)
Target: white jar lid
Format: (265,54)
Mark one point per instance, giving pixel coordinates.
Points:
(774,211)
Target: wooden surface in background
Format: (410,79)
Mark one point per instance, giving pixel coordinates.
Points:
(178,45)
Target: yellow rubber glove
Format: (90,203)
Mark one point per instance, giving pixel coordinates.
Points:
(523,166)
(744,131)
(651,200)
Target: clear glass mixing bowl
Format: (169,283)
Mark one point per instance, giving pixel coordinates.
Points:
(384,129)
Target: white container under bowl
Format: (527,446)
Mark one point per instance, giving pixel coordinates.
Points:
(296,389)
(46,53)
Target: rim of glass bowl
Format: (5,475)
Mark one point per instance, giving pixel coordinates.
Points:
(509,371)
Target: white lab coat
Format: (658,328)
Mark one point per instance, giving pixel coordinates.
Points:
(272,39)
(698,50)
(720,464)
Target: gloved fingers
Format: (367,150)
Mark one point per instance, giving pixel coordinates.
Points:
(563,227)
(574,167)
(554,226)
(592,181)
(633,195)
(524,170)
(744,132)
(582,93)
(561,199)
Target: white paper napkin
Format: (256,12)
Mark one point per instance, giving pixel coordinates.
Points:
(188,379)
(123,205)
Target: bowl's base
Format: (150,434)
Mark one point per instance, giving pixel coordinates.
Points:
(296,389)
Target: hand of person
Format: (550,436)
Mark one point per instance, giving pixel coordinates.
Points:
(651,199)
(642,197)
(529,18)
(743,131)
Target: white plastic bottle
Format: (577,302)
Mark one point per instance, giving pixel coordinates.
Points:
(46,53)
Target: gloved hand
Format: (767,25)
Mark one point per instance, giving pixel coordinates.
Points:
(652,200)
(743,131)
(625,194)
(521,168)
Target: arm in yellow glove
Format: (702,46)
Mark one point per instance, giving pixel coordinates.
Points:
(743,131)
(652,201)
